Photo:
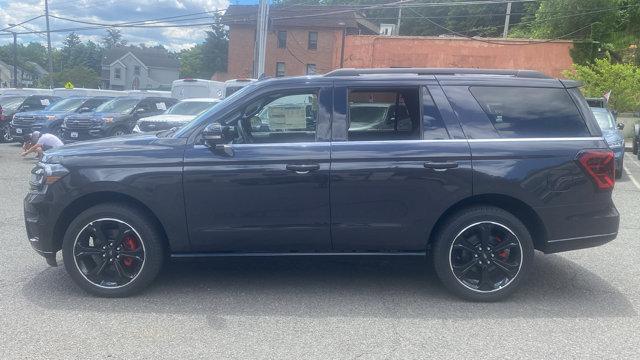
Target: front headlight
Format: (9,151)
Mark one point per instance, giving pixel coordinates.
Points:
(107,120)
(136,129)
(51,117)
(46,174)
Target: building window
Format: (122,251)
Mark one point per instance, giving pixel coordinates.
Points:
(313,40)
(136,70)
(117,73)
(311,69)
(280,69)
(282,39)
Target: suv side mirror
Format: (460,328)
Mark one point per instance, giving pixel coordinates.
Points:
(139,110)
(214,134)
(620,126)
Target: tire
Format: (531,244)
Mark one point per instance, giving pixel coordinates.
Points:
(634,146)
(117,131)
(466,222)
(111,218)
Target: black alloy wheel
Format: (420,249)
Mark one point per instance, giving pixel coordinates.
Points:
(113,249)
(109,253)
(485,256)
(482,253)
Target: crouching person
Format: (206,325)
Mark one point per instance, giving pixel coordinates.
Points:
(40,143)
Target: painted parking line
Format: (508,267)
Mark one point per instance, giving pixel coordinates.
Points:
(634,161)
(633,179)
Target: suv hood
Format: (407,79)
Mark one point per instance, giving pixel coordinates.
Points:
(95,115)
(143,149)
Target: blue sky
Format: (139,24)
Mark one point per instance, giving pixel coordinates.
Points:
(112,11)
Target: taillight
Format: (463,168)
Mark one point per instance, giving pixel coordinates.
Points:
(600,165)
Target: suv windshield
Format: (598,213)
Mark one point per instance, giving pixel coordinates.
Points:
(69,104)
(605,119)
(190,107)
(121,106)
(220,107)
(11,103)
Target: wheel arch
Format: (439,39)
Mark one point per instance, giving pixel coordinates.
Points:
(86,201)
(518,208)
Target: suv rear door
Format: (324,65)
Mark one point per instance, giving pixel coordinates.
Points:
(390,183)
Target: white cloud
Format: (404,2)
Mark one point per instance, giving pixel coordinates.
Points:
(107,12)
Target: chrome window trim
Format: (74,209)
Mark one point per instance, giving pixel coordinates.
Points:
(376,142)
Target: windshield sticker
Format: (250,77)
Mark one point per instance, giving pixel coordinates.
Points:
(44,102)
(161,106)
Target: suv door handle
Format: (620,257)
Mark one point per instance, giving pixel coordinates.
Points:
(303,168)
(440,165)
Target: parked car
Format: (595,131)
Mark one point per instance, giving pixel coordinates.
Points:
(495,164)
(178,115)
(82,92)
(113,118)
(612,133)
(233,85)
(25,107)
(49,120)
(197,88)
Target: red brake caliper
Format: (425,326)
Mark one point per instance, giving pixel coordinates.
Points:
(504,254)
(130,244)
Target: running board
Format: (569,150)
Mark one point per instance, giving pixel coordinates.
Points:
(284,254)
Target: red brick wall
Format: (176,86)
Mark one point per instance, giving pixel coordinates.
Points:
(296,56)
(380,51)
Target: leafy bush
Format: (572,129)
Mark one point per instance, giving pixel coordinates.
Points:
(623,80)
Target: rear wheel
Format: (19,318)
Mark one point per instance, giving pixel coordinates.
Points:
(112,250)
(483,253)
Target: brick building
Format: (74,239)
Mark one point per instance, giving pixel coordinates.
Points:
(297,43)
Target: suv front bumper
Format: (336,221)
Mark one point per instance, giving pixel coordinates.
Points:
(39,229)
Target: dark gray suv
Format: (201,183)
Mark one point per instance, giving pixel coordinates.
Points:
(474,168)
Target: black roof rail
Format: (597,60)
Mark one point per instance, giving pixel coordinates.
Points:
(438,71)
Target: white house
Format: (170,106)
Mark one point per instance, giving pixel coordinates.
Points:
(131,68)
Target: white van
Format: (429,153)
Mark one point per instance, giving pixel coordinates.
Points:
(65,93)
(197,88)
(148,93)
(231,86)
(25,91)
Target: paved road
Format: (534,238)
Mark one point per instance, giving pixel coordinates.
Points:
(578,305)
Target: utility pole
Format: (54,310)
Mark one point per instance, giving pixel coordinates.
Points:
(15,59)
(261,38)
(506,21)
(399,19)
(50,59)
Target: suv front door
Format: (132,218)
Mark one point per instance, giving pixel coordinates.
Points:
(390,183)
(269,193)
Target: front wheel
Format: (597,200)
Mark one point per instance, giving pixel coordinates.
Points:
(483,253)
(112,250)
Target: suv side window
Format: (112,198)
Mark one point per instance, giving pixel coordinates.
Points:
(432,124)
(521,112)
(283,118)
(384,114)
(93,103)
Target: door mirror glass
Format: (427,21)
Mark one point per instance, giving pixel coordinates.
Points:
(214,134)
(84,109)
(139,110)
(620,126)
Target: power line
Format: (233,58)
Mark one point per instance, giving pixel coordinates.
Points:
(20,23)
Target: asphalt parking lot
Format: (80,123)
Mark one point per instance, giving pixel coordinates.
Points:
(582,304)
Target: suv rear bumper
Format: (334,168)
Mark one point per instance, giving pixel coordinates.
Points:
(576,227)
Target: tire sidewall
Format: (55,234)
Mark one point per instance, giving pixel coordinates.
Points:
(461,220)
(153,256)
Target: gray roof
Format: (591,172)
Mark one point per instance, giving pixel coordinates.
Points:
(150,57)
(314,16)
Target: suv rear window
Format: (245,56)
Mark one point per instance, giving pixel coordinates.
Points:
(520,112)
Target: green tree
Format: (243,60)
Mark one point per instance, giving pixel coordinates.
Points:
(113,38)
(79,76)
(623,80)
(203,60)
